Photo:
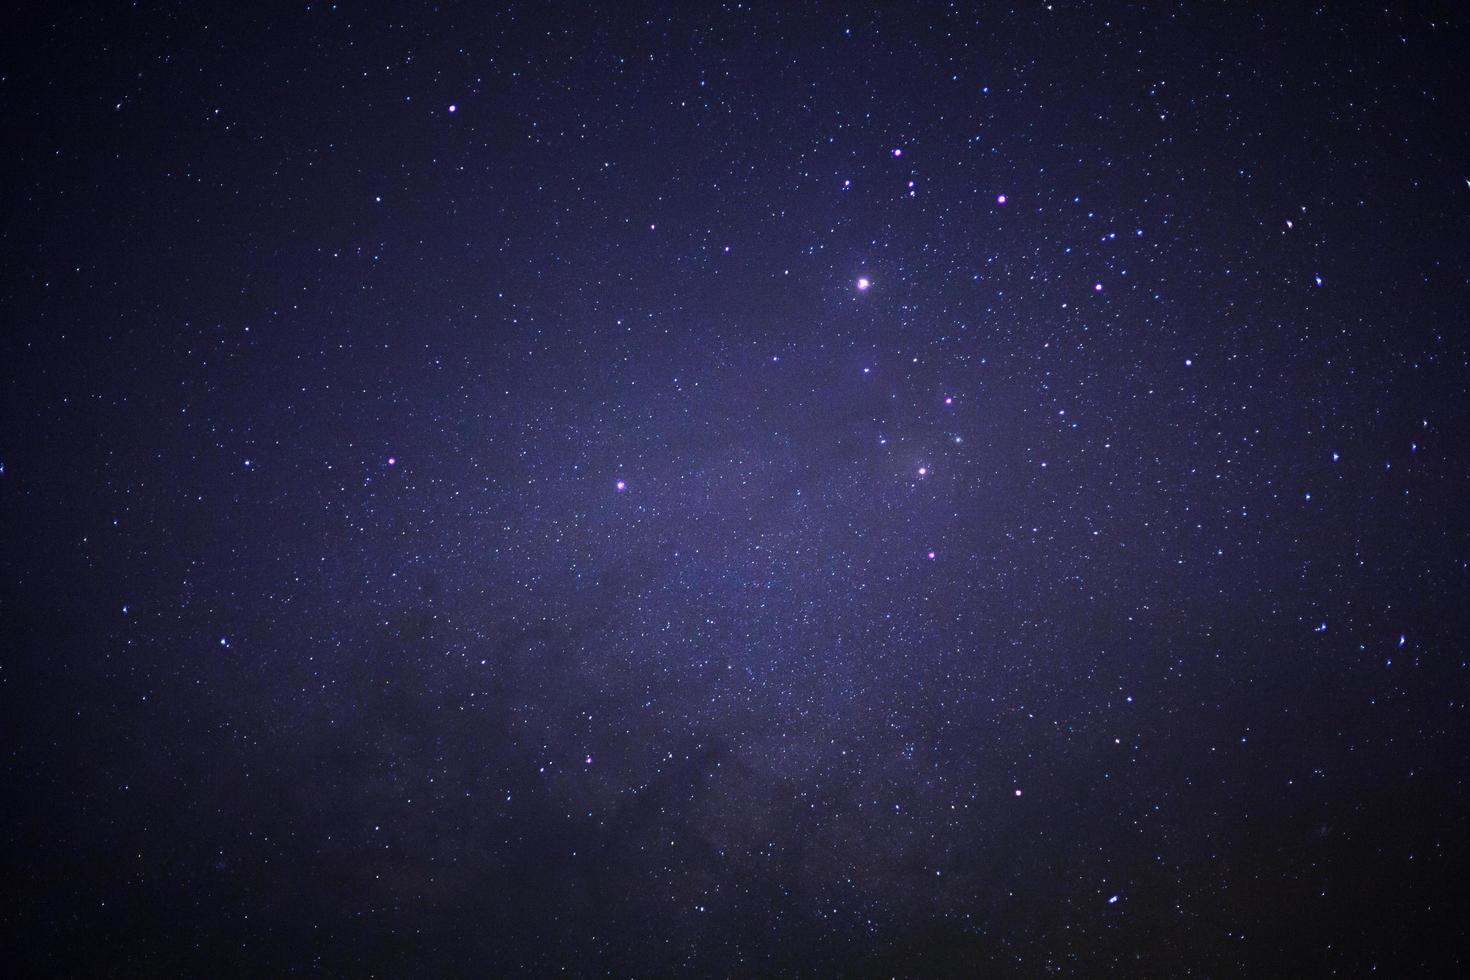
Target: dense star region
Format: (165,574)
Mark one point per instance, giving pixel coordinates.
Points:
(734,490)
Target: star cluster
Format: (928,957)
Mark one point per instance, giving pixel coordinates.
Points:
(735,490)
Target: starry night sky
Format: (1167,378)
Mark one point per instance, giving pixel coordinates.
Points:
(760,489)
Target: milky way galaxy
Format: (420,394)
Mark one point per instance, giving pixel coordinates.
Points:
(749,490)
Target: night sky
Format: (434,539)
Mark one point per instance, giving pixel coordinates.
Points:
(751,490)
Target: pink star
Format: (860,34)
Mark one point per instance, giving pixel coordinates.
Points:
(863,284)
(1000,199)
(392,460)
(622,486)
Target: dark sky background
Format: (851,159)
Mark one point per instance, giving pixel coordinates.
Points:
(755,490)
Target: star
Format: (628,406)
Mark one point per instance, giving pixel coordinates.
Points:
(862,284)
(621,486)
